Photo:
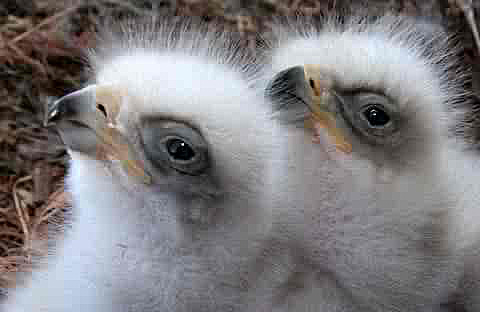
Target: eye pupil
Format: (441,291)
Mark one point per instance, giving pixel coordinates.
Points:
(376,117)
(179,150)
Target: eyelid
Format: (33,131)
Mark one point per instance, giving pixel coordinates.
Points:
(178,128)
(358,90)
(369,96)
(169,119)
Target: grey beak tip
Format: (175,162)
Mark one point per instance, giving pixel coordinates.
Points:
(286,79)
(290,94)
(52,111)
(70,106)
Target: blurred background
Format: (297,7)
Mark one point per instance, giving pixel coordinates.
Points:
(42,44)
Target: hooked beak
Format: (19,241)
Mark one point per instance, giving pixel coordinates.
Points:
(306,84)
(86,122)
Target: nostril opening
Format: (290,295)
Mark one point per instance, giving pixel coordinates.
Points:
(314,89)
(102,109)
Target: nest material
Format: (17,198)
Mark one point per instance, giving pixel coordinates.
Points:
(41,46)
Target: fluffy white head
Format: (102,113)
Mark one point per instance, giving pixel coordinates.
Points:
(383,220)
(183,242)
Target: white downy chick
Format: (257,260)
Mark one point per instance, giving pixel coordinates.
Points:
(376,110)
(173,162)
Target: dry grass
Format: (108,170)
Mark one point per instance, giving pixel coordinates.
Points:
(41,48)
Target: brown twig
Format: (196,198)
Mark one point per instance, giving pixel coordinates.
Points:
(467,8)
(21,211)
(47,21)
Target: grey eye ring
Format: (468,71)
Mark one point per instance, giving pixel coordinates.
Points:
(175,145)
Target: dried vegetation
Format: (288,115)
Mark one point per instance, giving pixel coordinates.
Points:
(41,46)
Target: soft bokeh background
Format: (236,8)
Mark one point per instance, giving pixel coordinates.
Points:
(41,46)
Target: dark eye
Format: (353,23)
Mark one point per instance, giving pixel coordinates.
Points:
(376,116)
(180,150)
(174,145)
